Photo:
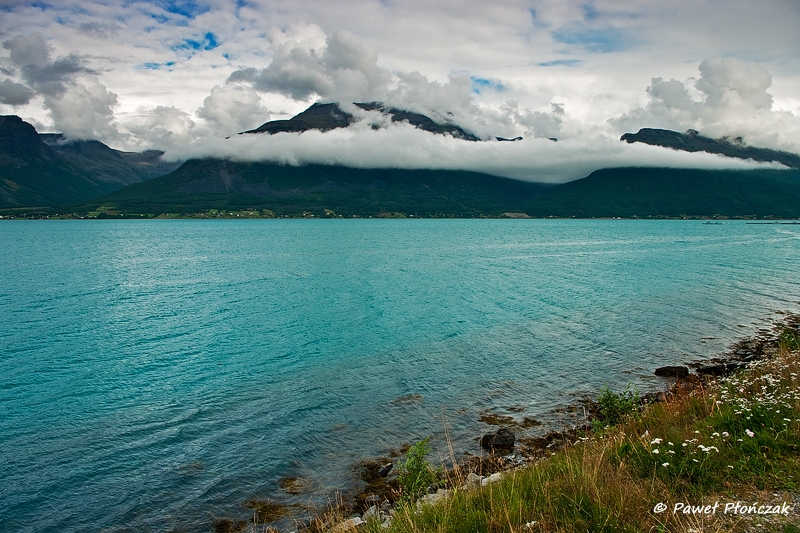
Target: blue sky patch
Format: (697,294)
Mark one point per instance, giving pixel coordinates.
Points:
(478,85)
(157,66)
(602,41)
(561,63)
(209,42)
(590,12)
(185,8)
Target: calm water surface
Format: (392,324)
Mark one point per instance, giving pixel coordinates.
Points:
(156,374)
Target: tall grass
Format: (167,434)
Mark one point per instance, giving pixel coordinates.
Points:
(725,441)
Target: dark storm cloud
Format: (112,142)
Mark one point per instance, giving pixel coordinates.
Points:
(31,54)
(14,93)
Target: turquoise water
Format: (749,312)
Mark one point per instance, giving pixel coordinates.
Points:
(156,374)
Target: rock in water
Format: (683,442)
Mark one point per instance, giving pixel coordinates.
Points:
(385,469)
(672,372)
(502,439)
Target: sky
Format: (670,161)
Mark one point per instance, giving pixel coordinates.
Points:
(182,75)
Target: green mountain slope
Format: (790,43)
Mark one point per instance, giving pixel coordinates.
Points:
(216,184)
(32,174)
(106,164)
(45,170)
(663,192)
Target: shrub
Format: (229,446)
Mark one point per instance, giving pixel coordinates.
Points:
(415,474)
(615,406)
(789,339)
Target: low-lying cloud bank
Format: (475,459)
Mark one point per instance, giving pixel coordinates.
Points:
(403,146)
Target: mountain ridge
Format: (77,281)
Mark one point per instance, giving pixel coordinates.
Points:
(692,141)
(83,176)
(47,170)
(329,116)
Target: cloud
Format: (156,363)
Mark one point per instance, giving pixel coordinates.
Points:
(307,63)
(79,110)
(14,93)
(232,109)
(578,71)
(31,54)
(28,50)
(84,111)
(539,124)
(99,30)
(403,146)
(167,127)
(731,83)
(729,98)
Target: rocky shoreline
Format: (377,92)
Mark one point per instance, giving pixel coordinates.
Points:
(503,451)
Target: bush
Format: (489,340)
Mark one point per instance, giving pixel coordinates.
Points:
(789,339)
(614,406)
(415,474)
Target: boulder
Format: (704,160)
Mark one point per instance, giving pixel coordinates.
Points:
(348,525)
(494,478)
(372,511)
(672,372)
(502,439)
(385,469)
(719,370)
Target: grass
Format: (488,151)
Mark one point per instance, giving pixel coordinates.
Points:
(735,439)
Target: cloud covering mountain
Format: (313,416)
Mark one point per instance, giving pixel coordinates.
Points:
(180,75)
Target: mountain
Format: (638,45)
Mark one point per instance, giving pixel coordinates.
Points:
(201,185)
(217,184)
(692,141)
(326,117)
(46,170)
(107,164)
(664,192)
(33,174)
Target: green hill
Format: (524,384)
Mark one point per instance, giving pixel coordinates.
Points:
(665,192)
(216,184)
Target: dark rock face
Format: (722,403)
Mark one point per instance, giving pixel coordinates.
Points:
(719,370)
(692,141)
(500,440)
(103,163)
(672,372)
(326,117)
(322,117)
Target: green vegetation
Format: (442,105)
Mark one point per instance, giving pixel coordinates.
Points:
(674,193)
(415,474)
(728,441)
(319,191)
(614,407)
